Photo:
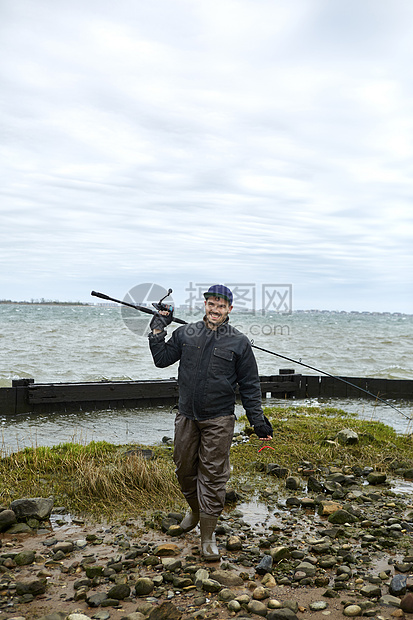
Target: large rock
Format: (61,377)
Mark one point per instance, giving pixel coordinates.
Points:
(257,608)
(308,569)
(281,614)
(371,591)
(228,578)
(7,518)
(351,611)
(36,507)
(390,601)
(20,528)
(95,599)
(406,604)
(376,477)
(347,437)
(314,485)
(200,576)
(280,553)
(276,470)
(342,516)
(292,483)
(34,587)
(171,564)
(211,585)
(165,611)
(398,585)
(226,595)
(265,565)
(260,593)
(144,586)
(65,546)
(24,558)
(167,550)
(234,543)
(327,508)
(119,592)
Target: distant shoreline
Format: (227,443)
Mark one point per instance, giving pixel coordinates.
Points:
(46,302)
(50,302)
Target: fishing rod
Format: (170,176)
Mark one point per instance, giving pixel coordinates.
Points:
(158,306)
(161,306)
(332,376)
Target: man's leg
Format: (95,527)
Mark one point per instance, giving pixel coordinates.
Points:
(186,446)
(214,467)
(213,474)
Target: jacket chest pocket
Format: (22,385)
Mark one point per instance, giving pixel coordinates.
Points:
(223,360)
(189,355)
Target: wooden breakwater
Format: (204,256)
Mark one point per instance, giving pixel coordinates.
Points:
(26,396)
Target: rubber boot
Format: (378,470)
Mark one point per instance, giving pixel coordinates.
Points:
(209,547)
(191,519)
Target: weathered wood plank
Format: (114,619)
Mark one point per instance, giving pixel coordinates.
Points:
(110,391)
(8,401)
(301,386)
(278,387)
(353,392)
(391,388)
(312,386)
(22,400)
(26,396)
(326,387)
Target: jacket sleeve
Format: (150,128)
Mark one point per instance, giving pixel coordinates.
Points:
(249,386)
(165,353)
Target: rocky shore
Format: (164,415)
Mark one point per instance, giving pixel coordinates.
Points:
(335,541)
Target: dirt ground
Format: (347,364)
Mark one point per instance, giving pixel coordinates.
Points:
(62,575)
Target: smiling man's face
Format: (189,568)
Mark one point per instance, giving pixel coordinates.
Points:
(216,310)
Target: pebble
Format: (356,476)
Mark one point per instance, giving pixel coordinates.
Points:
(406,603)
(398,585)
(257,607)
(352,610)
(318,605)
(234,606)
(389,600)
(260,593)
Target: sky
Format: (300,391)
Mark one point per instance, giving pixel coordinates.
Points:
(183,142)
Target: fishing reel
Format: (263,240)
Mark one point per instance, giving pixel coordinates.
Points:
(160,306)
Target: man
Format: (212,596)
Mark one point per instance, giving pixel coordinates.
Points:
(214,359)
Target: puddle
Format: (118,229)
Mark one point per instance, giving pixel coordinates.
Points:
(402,487)
(58,521)
(256,513)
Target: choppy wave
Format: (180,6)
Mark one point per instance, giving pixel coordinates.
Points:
(92,343)
(89,343)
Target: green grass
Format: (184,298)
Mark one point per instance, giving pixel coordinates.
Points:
(309,433)
(96,479)
(99,479)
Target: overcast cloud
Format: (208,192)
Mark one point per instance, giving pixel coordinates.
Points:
(208,141)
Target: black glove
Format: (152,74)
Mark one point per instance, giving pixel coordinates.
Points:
(263,430)
(160,321)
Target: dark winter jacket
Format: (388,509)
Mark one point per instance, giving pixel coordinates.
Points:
(212,364)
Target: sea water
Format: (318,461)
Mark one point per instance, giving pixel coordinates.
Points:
(63,343)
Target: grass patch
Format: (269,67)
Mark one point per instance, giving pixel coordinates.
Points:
(308,434)
(98,479)
(105,480)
